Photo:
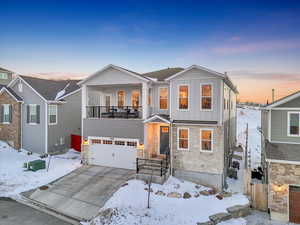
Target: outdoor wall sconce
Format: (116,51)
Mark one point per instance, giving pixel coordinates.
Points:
(140,147)
(278,188)
(85,142)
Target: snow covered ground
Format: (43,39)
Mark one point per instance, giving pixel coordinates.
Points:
(130,205)
(252,117)
(14,179)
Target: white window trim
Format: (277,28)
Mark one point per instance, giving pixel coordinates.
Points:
(212,140)
(4,114)
(288,124)
(30,123)
(212,99)
(167,98)
(183,128)
(55,114)
(178,93)
(117,102)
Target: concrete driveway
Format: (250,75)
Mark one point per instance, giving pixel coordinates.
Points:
(83,192)
(13,213)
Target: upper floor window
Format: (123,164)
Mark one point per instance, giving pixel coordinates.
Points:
(3,76)
(121,99)
(206,140)
(293,123)
(149,96)
(183,138)
(183,97)
(206,97)
(20,87)
(163,98)
(52,114)
(135,99)
(33,114)
(6,113)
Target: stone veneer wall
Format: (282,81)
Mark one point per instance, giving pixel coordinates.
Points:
(284,175)
(11,132)
(208,166)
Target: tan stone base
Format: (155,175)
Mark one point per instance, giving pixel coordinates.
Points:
(279,217)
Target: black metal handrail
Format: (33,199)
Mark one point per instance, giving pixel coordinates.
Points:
(161,165)
(126,112)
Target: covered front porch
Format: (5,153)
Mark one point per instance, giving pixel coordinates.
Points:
(155,159)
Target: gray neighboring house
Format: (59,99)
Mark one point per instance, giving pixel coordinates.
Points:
(50,113)
(183,119)
(281,157)
(5,76)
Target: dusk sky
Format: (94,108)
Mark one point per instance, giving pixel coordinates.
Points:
(256,42)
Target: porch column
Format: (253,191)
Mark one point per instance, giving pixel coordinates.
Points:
(145,94)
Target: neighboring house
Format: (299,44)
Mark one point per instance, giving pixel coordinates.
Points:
(281,157)
(5,76)
(40,115)
(182,117)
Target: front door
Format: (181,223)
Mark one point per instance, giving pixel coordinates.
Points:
(107,100)
(164,139)
(294,202)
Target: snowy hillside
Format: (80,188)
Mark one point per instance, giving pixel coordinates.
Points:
(252,117)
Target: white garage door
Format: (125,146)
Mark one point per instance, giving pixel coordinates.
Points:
(113,152)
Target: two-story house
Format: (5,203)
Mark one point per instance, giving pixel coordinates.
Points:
(281,157)
(183,119)
(40,115)
(5,76)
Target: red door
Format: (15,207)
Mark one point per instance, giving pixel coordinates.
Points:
(76,142)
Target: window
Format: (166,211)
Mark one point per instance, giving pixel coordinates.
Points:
(293,123)
(119,142)
(183,138)
(206,136)
(107,142)
(163,98)
(135,99)
(3,76)
(52,114)
(206,97)
(184,97)
(6,111)
(96,141)
(33,114)
(20,87)
(131,143)
(121,99)
(149,96)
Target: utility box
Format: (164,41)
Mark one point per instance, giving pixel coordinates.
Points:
(35,165)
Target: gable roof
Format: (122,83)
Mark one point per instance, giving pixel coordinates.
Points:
(158,118)
(132,73)
(226,79)
(161,75)
(5,70)
(284,100)
(11,92)
(49,89)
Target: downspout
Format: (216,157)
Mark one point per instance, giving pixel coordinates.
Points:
(21,125)
(171,149)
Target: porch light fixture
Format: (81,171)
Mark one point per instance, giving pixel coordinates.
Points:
(278,188)
(85,142)
(140,147)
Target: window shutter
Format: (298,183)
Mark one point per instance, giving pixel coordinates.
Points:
(1,113)
(28,114)
(10,113)
(37,114)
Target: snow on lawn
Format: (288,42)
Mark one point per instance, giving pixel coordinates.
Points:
(14,179)
(252,116)
(130,204)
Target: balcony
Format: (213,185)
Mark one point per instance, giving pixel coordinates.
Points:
(114,112)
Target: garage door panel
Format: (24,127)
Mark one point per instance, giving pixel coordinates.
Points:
(113,155)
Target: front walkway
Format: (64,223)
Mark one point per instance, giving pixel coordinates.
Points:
(83,192)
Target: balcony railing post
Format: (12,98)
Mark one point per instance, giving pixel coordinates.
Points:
(137,165)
